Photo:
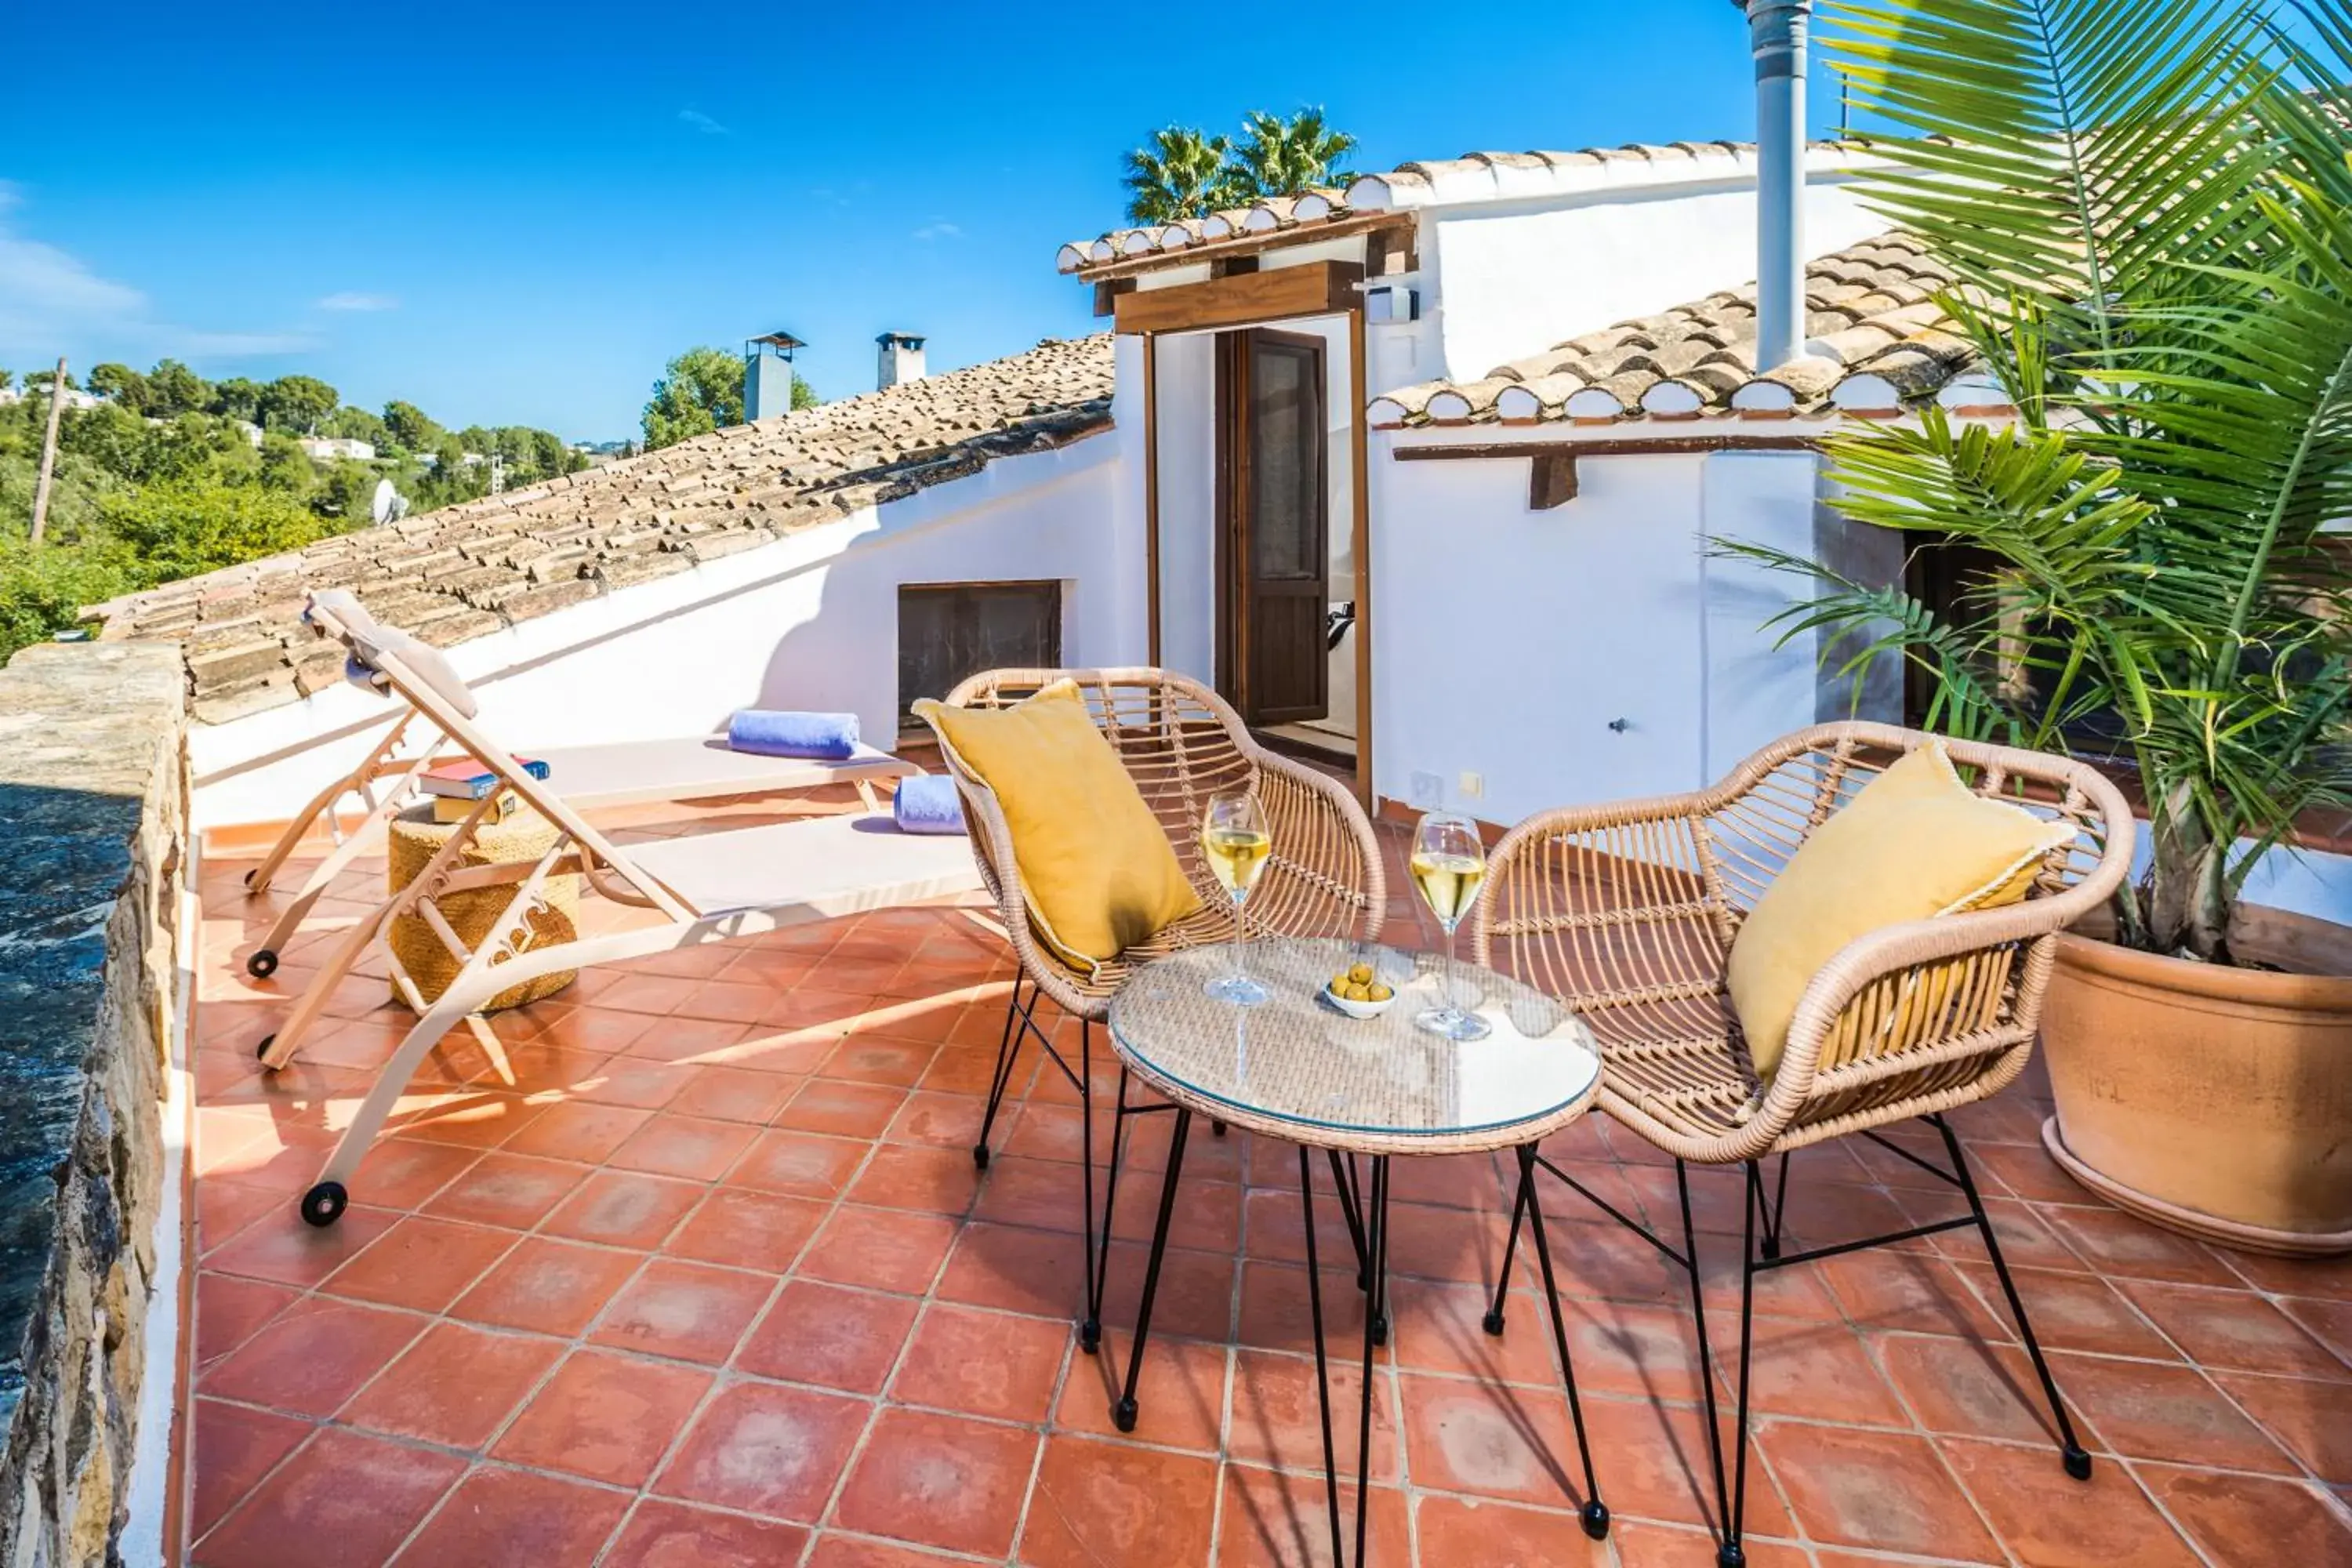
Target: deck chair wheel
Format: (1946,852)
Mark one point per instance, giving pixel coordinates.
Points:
(1492,1323)
(323,1205)
(2077,1463)
(1594,1517)
(1090,1336)
(261,963)
(980,1155)
(1729,1555)
(1123,1415)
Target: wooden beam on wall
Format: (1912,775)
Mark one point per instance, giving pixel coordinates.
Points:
(1151,493)
(1551,481)
(1243,298)
(1361,543)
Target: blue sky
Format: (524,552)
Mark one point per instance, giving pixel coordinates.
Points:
(514,213)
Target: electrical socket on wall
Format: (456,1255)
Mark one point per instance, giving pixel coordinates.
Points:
(1428,792)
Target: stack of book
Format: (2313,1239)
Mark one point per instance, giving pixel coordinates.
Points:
(457,788)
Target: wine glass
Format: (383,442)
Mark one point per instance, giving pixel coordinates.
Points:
(1448,863)
(1235,843)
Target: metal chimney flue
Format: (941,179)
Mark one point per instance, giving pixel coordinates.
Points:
(1778,37)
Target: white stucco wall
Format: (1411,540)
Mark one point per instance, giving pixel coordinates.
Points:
(1506,642)
(808,622)
(1500,281)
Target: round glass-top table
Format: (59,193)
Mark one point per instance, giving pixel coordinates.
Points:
(1298,1068)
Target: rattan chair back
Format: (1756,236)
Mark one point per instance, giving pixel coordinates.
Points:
(1182,743)
(1628,912)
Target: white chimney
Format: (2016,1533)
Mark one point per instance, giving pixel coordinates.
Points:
(900,357)
(1777,33)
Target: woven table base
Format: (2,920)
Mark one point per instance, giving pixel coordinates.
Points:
(522,839)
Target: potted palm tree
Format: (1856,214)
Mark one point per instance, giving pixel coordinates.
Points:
(2147,205)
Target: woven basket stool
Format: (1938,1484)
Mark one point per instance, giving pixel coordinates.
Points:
(522,838)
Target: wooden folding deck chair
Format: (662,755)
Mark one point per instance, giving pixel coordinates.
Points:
(712,886)
(591,778)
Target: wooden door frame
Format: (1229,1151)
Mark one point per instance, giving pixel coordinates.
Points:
(1360,522)
(1236,553)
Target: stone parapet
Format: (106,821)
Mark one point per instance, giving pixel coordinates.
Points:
(93,814)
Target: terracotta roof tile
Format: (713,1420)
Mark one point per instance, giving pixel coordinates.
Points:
(1877,342)
(468,570)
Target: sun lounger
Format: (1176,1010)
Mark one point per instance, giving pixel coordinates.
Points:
(627,772)
(712,886)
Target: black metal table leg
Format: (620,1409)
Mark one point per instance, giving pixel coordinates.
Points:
(1090,1330)
(1376,1232)
(1322,1368)
(1123,1413)
(1594,1514)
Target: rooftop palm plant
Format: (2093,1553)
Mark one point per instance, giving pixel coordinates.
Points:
(2147,208)
(1180,173)
(1278,157)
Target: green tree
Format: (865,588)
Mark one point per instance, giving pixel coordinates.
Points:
(172,389)
(2148,207)
(410,426)
(296,403)
(803,395)
(40,379)
(42,591)
(237,399)
(356,425)
(182,529)
(348,492)
(125,385)
(286,468)
(111,436)
(700,391)
(1180,174)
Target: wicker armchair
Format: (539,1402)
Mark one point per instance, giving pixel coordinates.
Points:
(1180,743)
(1628,912)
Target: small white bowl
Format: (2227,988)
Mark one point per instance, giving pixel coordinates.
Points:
(1360,1009)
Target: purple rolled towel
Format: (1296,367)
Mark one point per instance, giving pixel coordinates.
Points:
(928,803)
(767,732)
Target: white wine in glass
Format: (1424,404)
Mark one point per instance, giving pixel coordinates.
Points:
(1235,843)
(1449,862)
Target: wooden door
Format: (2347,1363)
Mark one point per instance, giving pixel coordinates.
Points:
(1275,527)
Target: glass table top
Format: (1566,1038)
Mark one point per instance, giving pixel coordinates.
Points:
(1296,1059)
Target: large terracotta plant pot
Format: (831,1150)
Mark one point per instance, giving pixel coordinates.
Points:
(2212,1100)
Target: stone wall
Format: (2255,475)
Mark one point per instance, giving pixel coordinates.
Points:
(93,799)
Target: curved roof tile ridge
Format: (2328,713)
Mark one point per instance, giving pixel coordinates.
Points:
(1877,345)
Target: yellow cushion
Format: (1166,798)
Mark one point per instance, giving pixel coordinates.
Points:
(1914,842)
(1098,871)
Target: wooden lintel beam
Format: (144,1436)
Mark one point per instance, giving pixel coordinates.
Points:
(1245,299)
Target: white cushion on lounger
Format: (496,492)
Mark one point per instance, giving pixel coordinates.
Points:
(832,864)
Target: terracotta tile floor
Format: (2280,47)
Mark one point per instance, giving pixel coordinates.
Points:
(713,1281)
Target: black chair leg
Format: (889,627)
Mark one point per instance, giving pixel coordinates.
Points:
(1729,1500)
(1100,1274)
(1090,1330)
(2070,1452)
(1008,1051)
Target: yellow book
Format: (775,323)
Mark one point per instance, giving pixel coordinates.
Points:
(450,811)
